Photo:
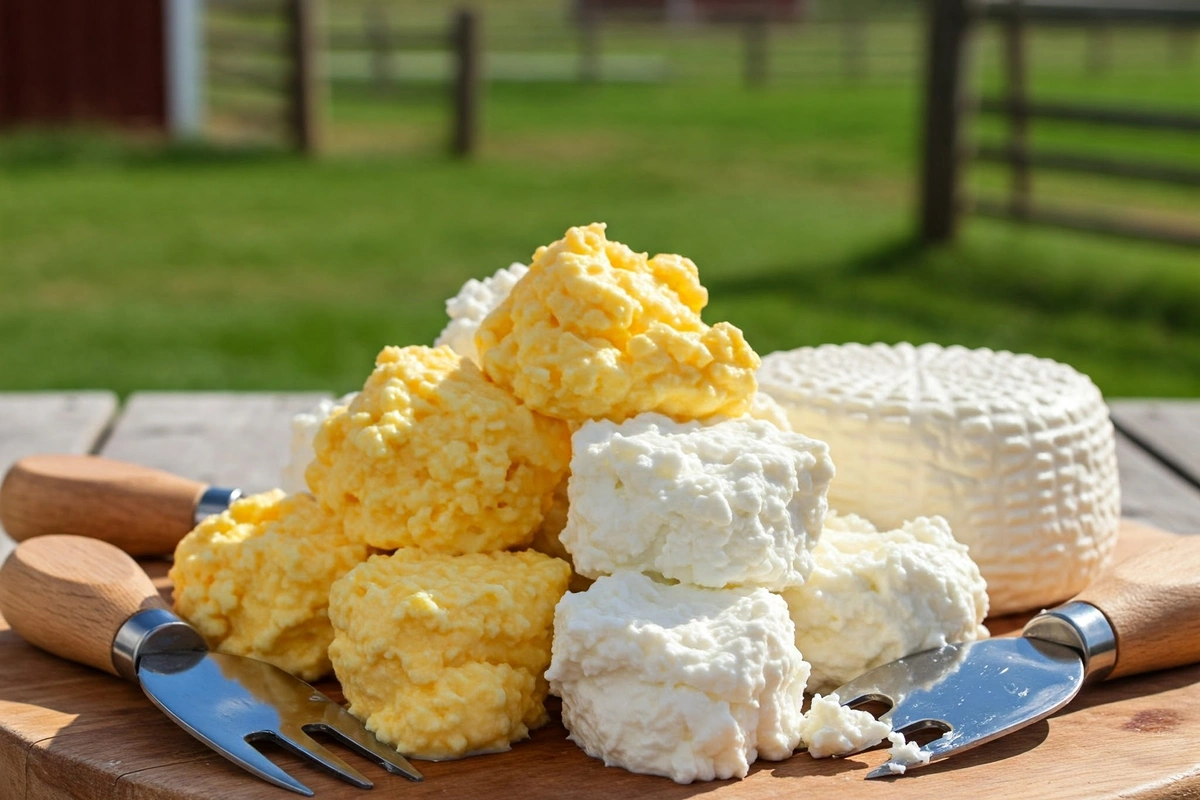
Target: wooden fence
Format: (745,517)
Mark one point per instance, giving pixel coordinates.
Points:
(948,102)
(845,39)
(383,40)
(263,67)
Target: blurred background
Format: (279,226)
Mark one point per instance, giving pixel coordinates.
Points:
(259,194)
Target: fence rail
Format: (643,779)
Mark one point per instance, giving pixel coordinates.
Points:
(293,100)
(1093,165)
(1098,115)
(943,201)
(1076,12)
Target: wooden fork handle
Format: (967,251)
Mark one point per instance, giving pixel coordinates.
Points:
(1152,602)
(142,511)
(69,595)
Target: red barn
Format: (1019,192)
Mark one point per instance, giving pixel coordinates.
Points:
(124,63)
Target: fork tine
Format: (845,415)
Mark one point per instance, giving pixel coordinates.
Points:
(303,745)
(246,756)
(339,723)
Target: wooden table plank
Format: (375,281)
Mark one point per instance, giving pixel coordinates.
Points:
(1168,429)
(100,740)
(236,439)
(1152,493)
(50,422)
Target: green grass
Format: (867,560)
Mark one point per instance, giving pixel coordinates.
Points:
(130,267)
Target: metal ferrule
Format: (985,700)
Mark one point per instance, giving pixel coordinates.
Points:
(214,500)
(154,630)
(1083,628)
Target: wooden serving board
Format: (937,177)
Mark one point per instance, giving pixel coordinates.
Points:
(67,731)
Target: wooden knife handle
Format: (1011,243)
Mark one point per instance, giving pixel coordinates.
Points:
(70,595)
(1152,602)
(143,511)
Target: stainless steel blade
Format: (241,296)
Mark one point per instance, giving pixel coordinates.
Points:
(973,692)
(228,702)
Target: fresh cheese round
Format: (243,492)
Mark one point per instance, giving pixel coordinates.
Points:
(1015,452)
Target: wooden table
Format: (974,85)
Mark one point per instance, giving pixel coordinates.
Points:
(242,440)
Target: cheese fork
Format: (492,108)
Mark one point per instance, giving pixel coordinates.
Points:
(1144,615)
(85,600)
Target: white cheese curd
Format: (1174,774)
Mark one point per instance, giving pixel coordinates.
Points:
(904,754)
(674,680)
(875,596)
(474,301)
(304,430)
(831,729)
(737,502)
(1016,452)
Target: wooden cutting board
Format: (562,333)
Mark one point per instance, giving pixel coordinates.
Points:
(70,732)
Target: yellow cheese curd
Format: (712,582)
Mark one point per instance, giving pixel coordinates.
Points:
(443,656)
(254,580)
(432,455)
(595,330)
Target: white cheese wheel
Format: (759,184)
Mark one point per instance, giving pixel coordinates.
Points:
(1016,452)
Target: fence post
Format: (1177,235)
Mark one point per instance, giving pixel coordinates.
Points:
(854,41)
(756,48)
(1018,110)
(1183,46)
(467,76)
(1099,48)
(589,43)
(305,100)
(945,81)
(379,40)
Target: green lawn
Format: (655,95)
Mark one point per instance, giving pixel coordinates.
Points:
(133,268)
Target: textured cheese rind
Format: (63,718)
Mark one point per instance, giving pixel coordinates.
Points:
(254,580)
(737,502)
(443,656)
(595,330)
(304,430)
(674,680)
(875,596)
(432,455)
(474,301)
(1016,452)
(831,729)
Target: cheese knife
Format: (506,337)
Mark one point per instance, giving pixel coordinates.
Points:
(86,601)
(143,511)
(1143,615)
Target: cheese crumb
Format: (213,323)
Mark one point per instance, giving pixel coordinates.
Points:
(875,596)
(738,502)
(831,729)
(904,754)
(432,455)
(254,580)
(443,656)
(474,301)
(674,680)
(595,330)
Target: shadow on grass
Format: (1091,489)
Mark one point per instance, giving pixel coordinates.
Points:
(33,150)
(1021,274)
